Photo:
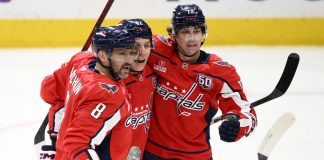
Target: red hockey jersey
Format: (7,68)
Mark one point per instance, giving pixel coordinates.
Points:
(95,107)
(186,99)
(141,89)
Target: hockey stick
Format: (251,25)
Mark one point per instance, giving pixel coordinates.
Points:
(282,86)
(98,24)
(274,134)
(40,137)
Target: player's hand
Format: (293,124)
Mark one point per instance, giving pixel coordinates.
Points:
(230,128)
(53,138)
(47,152)
(236,125)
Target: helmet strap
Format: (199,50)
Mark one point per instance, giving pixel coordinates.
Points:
(109,68)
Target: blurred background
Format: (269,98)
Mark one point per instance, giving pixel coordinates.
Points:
(61,23)
(256,36)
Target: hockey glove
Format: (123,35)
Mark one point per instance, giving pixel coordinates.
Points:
(53,137)
(229,129)
(47,152)
(234,127)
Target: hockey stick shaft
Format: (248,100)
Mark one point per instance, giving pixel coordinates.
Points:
(282,86)
(39,137)
(98,24)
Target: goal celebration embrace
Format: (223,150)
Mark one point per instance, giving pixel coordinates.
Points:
(140,95)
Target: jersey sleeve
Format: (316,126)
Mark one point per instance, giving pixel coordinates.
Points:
(91,122)
(232,100)
(53,86)
(55,118)
(162,45)
(53,92)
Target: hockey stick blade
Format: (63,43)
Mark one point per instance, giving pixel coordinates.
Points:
(281,87)
(274,135)
(40,136)
(284,82)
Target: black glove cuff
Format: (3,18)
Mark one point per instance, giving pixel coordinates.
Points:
(48,148)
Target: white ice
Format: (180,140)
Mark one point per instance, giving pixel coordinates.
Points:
(22,109)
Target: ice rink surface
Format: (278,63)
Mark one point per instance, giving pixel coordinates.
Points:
(22,109)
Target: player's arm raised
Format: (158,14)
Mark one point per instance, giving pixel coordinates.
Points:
(49,93)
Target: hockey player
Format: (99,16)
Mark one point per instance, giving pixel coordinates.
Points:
(95,99)
(140,85)
(192,86)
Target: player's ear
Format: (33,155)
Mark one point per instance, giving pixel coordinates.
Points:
(103,56)
(173,37)
(203,38)
(171,32)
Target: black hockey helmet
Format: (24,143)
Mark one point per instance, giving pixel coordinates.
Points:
(108,38)
(138,28)
(188,15)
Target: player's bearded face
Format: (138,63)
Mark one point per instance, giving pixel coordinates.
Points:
(143,46)
(121,61)
(189,40)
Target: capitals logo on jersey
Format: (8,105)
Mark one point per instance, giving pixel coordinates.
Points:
(141,115)
(184,98)
(108,87)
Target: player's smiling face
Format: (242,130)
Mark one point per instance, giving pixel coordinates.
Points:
(143,46)
(189,40)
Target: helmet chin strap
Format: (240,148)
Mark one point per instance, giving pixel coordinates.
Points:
(109,68)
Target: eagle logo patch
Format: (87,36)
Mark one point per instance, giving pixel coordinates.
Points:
(222,63)
(108,87)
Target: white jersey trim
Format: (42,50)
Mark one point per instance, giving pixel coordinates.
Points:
(245,106)
(93,154)
(108,125)
(58,118)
